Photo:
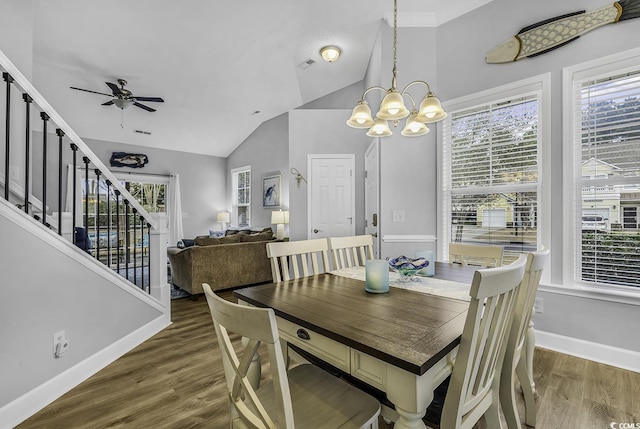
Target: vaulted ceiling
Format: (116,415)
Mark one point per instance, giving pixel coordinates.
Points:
(214,63)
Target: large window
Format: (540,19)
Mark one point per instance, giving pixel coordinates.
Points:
(491,178)
(241,182)
(604,102)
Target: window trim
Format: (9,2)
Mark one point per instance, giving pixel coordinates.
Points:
(620,62)
(234,194)
(541,84)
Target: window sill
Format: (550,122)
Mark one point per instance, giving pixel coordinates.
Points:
(582,291)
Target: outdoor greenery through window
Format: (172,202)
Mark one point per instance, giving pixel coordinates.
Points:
(241,179)
(108,223)
(491,174)
(607,169)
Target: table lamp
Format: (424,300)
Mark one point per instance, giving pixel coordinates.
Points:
(280,217)
(223,217)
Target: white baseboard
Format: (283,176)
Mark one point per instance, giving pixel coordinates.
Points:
(609,355)
(28,404)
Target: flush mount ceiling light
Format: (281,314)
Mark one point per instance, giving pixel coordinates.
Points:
(330,53)
(392,107)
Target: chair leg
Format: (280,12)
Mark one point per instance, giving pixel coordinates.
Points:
(492,415)
(508,399)
(528,392)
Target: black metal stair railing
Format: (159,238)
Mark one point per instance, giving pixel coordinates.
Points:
(114,228)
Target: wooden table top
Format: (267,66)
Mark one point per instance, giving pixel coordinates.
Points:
(408,329)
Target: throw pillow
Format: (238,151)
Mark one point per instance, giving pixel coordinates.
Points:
(213,233)
(212,241)
(261,236)
(187,242)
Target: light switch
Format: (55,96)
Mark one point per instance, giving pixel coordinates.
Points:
(398,215)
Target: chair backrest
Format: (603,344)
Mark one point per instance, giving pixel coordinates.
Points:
(257,325)
(476,254)
(475,380)
(536,262)
(351,251)
(295,259)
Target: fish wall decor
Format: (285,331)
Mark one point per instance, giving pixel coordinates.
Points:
(544,36)
(124,159)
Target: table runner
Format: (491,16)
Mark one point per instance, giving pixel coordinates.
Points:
(432,285)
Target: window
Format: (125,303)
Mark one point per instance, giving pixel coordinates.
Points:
(603,102)
(241,182)
(491,177)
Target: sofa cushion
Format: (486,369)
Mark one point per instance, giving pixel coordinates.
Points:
(233,231)
(211,241)
(260,236)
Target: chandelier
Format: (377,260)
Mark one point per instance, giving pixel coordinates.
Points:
(392,107)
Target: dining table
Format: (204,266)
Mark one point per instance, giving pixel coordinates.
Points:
(402,342)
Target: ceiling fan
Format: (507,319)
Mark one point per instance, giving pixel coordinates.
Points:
(123,98)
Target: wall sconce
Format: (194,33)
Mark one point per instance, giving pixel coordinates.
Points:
(299,176)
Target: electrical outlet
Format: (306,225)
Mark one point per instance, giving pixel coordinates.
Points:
(58,338)
(538,307)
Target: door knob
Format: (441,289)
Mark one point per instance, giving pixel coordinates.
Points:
(374,234)
(315,230)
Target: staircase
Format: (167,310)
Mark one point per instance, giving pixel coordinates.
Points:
(95,270)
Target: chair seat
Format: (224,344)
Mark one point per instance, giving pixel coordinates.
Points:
(323,401)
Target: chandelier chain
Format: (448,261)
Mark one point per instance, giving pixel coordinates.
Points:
(395,41)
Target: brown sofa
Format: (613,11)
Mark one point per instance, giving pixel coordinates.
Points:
(225,262)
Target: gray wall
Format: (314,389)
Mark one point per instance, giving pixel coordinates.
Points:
(203,181)
(461,69)
(322,132)
(266,151)
(93,312)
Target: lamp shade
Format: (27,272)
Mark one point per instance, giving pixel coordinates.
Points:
(223,217)
(414,128)
(431,110)
(361,116)
(392,107)
(379,129)
(280,217)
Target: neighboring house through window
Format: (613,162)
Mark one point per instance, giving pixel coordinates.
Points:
(602,177)
(241,183)
(491,181)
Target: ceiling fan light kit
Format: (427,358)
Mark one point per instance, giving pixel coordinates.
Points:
(392,107)
(123,98)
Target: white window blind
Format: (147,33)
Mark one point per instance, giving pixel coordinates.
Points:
(607,183)
(241,180)
(491,180)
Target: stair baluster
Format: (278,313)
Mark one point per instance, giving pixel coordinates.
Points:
(60,135)
(7,78)
(45,121)
(27,155)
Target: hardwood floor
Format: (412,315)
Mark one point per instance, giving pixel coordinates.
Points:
(175,380)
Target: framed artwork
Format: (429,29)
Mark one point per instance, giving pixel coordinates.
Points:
(271,191)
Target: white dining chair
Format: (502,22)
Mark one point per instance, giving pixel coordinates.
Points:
(484,255)
(352,251)
(515,361)
(475,381)
(303,397)
(295,259)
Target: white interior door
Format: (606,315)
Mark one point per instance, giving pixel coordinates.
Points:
(331,204)
(372,194)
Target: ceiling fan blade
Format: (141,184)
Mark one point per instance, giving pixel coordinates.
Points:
(155,99)
(108,103)
(142,106)
(114,88)
(94,92)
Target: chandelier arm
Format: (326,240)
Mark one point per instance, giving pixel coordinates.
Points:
(404,91)
(413,102)
(370,89)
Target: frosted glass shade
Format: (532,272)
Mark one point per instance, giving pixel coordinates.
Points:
(223,217)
